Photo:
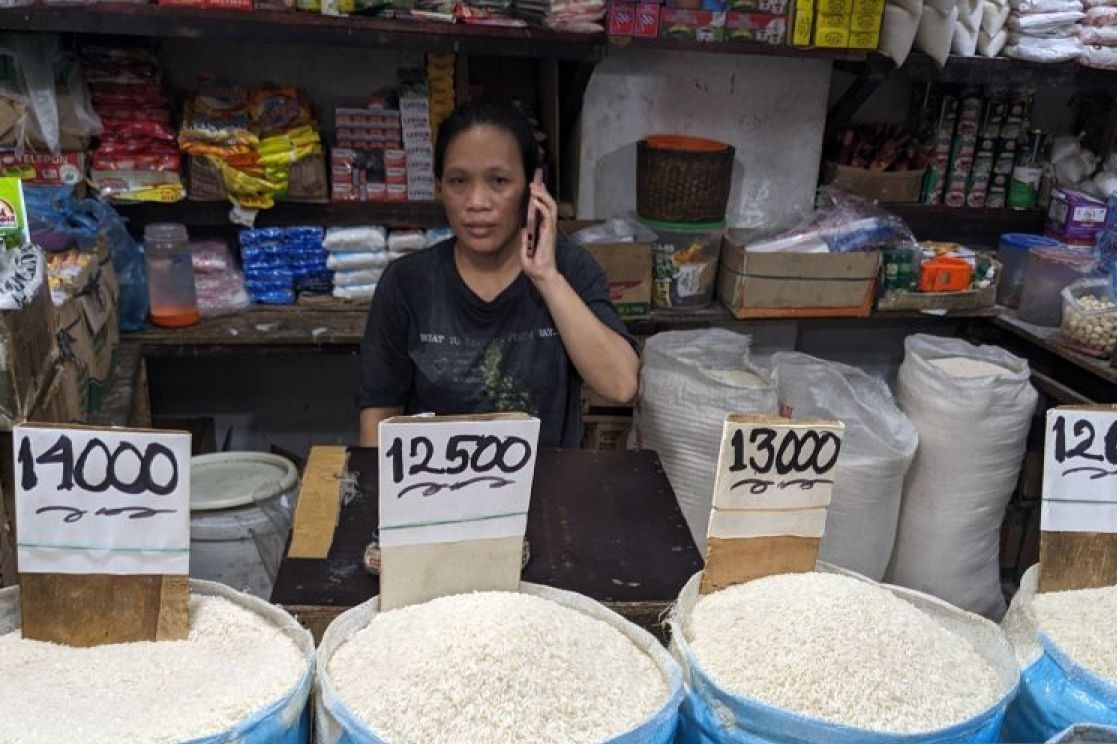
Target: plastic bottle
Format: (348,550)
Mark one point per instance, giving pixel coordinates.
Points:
(170,275)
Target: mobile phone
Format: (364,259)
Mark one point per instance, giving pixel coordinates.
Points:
(532,223)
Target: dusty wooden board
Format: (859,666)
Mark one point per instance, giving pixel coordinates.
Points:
(412,574)
(736,561)
(1076,560)
(95,609)
(319,503)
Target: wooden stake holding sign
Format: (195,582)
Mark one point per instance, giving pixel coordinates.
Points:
(1078,520)
(103,534)
(454,497)
(773,485)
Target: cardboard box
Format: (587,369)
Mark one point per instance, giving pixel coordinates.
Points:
(789,285)
(63,399)
(761,28)
(691,25)
(88,327)
(898,187)
(628,267)
(27,351)
(802,34)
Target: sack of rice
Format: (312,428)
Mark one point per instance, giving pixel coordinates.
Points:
(830,657)
(877,448)
(689,381)
(243,675)
(972,406)
(1086,734)
(1067,652)
(538,666)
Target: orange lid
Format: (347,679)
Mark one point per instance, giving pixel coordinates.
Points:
(685,143)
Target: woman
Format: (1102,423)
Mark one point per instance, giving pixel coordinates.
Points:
(480,323)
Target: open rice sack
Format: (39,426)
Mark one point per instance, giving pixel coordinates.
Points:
(829,657)
(243,676)
(877,448)
(540,666)
(689,380)
(972,406)
(1067,652)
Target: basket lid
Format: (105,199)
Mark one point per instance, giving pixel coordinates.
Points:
(684,143)
(226,480)
(683,227)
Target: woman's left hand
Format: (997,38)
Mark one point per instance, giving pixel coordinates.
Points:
(540,266)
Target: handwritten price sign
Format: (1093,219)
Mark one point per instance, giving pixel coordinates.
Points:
(1080,470)
(774,477)
(102,501)
(455,478)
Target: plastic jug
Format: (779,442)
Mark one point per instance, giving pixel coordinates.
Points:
(170,275)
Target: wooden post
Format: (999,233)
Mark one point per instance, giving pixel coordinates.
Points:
(1078,538)
(773,485)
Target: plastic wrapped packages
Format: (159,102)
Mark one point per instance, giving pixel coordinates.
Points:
(1061,23)
(364,239)
(404,241)
(1044,51)
(899,27)
(359,292)
(1100,58)
(352,261)
(22,273)
(1028,7)
(436,235)
(625,228)
(842,223)
(357,278)
(211,257)
(221,293)
(1101,16)
(1098,35)
(991,46)
(936,30)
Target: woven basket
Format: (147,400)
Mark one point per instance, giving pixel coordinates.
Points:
(683,179)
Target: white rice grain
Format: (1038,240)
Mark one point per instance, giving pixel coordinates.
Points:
(966,368)
(495,667)
(842,650)
(234,664)
(1080,623)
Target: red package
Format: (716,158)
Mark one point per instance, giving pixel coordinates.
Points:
(143,129)
(138,162)
(136,113)
(118,147)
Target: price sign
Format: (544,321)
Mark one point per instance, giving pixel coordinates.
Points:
(774,481)
(455,478)
(454,496)
(1080,470)
(102,501)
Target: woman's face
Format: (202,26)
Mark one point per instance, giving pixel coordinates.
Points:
(483,188)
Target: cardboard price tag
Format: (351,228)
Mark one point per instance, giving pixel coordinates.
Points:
(102,501)
(1078,518)
(102,534)
(454,498)
(1080,470)
(774,482)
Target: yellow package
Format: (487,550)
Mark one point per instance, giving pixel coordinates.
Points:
(831,38)
(834,7)
(864,39)
(830,22)
(803,32)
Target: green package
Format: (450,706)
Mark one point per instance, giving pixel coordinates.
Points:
(13,213)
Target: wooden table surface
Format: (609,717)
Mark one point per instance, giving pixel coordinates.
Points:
(603,524)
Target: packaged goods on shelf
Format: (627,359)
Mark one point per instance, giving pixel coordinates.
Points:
(136,157)
(879,162)
(251,139)
(278,262)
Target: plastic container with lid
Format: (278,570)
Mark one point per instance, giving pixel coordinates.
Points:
(1013,255)
(170,275)
(1090,316)
(1049,270)
(685,263)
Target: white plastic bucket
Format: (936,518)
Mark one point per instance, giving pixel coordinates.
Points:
(240,515)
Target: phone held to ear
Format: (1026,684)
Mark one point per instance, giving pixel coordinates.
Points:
(532,223)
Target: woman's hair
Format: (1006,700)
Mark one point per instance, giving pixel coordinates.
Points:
(493,113)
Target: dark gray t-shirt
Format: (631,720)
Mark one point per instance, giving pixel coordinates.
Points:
(432,345)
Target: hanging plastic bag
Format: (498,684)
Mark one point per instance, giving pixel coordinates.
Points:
(877,448)
(689,382)
(1055,692)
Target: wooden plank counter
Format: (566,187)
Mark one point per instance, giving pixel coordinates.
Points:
(604,524)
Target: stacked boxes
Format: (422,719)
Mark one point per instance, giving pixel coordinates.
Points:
(418,139)
(633,19)
(963,151)
(369,154)
(838,24)
(278,261)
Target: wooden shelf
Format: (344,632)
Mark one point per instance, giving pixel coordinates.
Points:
(737,47)
(1006,71)
(125,19)
(979,227)
(216,214)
